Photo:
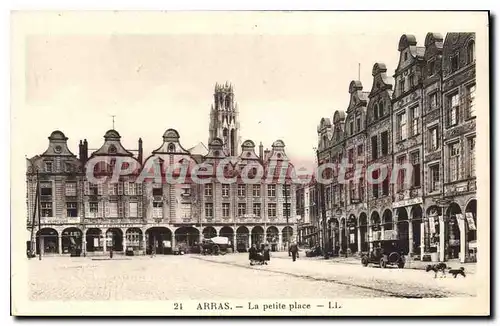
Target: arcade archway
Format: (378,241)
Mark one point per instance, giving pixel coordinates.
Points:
(453,239)
(363,231)
(416,221)
(114,239)
(72,239)
(47,240)
(257,236)
(209,232)
(159,239)
(94,239)
(242,237)
(352,234)
(471,226)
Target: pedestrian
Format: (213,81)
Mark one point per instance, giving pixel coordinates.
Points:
(252,254)
(294,251)
(267,254)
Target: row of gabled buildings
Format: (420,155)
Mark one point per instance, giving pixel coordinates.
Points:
(424,115)
(76,212)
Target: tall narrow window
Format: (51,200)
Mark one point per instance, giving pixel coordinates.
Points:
(453,106)
(71,209)
(433,138)
(433,100)
(374,147)
(431,65)
(385,185)
(401,173)
(256,209)
(375,112)
(271,209)
(225,190)
(454,62)
(381,109)
(70,188)
(208,189)
(471,101)
(402,128)
(414,118)
(271,190)
(225,209)
(375,184)
(361,189)
(241,190)
(454,154)
(242,209)
(385,142)
(434,177)
(256,190)
(412,80)
(415,161)
(472,156)
(351,127)
(402,85)
(471,53)
(358,124)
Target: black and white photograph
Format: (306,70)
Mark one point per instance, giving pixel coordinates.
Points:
(255,163)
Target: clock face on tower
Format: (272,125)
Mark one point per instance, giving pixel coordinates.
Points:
(58,149)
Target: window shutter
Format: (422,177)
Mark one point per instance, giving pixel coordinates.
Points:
(110,188)
(120,188)
(86,188)
(100,189)
(139,188)
(126,188)
(120,209)
(127,209)
(106,209)
(139,208)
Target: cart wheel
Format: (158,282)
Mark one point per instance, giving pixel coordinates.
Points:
(364,261)
(382,263)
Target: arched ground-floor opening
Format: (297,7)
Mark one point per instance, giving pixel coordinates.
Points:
(403,229)
(94,239)
(114,239)
(159,240)
(242,237)
(188,238)
(416,221)
(452,244)
(134,239)
(343,237)
(376,227)
(335,237)
(72,239)
(287,236)
(228,232)
(432,233)
(209,232)
(352,234)
(47,239)
(258,236)
(272,237)
(471,226)
(363,231)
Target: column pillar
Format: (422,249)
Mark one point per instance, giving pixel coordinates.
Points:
(410,237)
(382,231)
(124,241)
(463,239)
(280,241)
(422,239)
(341,238)
(358,238)
(84,245)
(370,237)
(59,244)
(234,241)
(105,242)
(42,245)
(442,240)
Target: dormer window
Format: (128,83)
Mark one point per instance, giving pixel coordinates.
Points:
(431,65)
(358,124)
(454,62)
(381,109)
(171,148)
(401,85)
(471,55)
(48,166)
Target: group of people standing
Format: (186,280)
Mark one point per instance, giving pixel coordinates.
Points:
(260,255)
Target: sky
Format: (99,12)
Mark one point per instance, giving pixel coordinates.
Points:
(287,81)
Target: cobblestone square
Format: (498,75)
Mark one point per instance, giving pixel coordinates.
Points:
(229,277)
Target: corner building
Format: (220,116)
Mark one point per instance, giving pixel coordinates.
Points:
(130,216)
(423,117)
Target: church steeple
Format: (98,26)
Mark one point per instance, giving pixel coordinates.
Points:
(224,122)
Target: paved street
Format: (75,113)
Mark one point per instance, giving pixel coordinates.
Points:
(229,276)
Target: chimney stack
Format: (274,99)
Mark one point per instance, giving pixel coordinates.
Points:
(266,154)
(80,151)
(139,157)
(261,151)
(85,151)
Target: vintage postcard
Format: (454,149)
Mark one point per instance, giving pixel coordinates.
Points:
(250,163)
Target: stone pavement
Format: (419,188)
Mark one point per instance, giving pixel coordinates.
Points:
(394,282)
(470,268)
(171,278)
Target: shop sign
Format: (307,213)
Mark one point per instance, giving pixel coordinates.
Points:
(407,202)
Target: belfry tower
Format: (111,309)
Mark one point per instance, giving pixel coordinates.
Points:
(224,122)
